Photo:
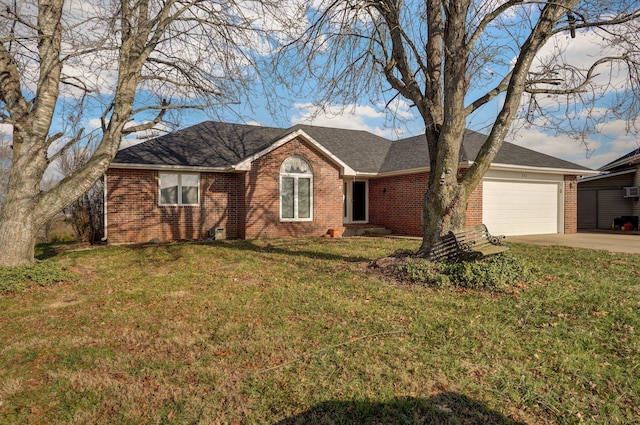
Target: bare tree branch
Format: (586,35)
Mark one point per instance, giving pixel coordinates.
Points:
(588,78)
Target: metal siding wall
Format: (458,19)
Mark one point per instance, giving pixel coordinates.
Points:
(587,209)
(611,204)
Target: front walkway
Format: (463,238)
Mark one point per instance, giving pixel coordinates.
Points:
(614,241)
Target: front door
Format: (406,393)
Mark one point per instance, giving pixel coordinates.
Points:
(355,201)
(359,201)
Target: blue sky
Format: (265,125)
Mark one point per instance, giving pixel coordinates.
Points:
(611,142)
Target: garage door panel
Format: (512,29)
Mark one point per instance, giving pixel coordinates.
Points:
(520,208)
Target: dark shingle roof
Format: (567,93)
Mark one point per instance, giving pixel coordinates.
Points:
(412,153)
(511,154)
(360,150)
(407,154)
(208,144)
(222,145)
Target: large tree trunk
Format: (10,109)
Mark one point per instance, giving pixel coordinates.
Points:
(17,234)
(18,223)
(445,202)
(441,212)
(27,207)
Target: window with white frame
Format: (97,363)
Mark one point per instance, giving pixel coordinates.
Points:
(296,190)
(179,189)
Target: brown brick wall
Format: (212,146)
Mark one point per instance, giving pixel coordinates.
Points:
(474,207)
(570,204)
(262,195)
(396,203)
(247,204)
(133,213)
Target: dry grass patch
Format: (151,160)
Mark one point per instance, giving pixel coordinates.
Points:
(301,331)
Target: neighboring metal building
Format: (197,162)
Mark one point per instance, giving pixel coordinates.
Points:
(612,198)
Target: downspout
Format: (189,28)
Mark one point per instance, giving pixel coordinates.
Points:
(104,207)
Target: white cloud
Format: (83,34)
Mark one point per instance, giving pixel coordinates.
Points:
(142,136)
(6,129)
(358,117)
(611,142)
(254,122)
(579,54)
(95,123)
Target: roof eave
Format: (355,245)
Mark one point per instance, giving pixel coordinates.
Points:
(634,160)
(403,172)
(543,170)
(498,167)
(163,167)
(606,175)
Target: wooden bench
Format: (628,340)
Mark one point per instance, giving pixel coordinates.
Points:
(468,244)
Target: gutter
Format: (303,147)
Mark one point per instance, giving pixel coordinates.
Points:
(184,168)
(605,175)
(500,167)
(633,160)
(542,170)
(104,208)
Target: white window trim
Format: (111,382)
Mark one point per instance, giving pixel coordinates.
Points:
(296,177)
(179,204)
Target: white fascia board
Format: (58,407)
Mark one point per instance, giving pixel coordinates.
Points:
(403,172)
(605,175)
(626,161)
(183,168)
(497,167)
(542,170)
(345,169)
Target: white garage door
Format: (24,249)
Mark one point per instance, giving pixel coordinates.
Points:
(520,208)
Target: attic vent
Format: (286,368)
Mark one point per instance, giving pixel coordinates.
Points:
(631,192)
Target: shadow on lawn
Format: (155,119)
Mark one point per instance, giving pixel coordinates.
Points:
(444,408)
(294,248)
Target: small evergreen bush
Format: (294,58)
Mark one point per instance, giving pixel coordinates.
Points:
(497,272)
(420,270)
(42,273)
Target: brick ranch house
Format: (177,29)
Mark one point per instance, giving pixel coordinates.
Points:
(244,181)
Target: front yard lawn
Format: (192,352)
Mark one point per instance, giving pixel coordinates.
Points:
(301,331)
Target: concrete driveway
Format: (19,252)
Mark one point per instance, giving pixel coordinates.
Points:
(627,242)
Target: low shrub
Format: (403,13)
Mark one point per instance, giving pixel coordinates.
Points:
(42,273)
(63,238)
(420,270)
(498,272)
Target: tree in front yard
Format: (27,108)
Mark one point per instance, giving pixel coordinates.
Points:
(119,66)
(451,58)
(5,166)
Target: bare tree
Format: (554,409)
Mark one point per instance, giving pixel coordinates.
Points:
(450,58)
(58,220)
(5,166)
(85,214)
(118,60)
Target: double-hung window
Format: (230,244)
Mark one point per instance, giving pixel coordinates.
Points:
(296,190)
(179,189)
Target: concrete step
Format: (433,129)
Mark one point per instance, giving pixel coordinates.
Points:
(366,231)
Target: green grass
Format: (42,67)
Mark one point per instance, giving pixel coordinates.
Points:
(301,331)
